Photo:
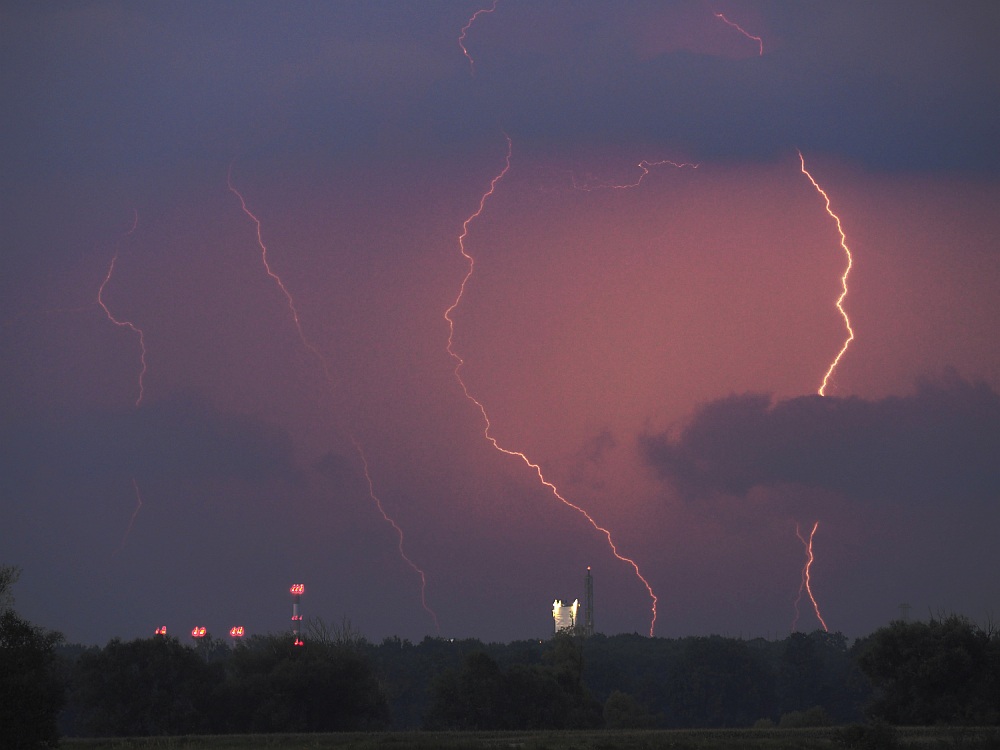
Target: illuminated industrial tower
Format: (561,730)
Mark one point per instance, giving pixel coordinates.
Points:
(297,590)
(566,616)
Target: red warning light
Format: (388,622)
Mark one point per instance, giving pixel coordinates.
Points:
(298,589)
(236,632)
(198,632)
(162,630)
(299,642)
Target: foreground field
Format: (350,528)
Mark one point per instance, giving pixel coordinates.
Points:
(695,739)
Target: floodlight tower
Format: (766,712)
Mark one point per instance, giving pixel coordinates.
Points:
(297,590)
(588,604)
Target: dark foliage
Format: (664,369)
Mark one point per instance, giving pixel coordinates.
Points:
(716,682)
(31,693)
(481,695)
(944,671)
(157,686)
(273,686)
(622,711)
(144,687)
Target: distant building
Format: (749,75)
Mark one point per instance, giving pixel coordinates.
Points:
(565,615)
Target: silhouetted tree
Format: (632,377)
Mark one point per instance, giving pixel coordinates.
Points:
(481,695)
(150,686)
(8,577)
(31,693)
(469,698)
(273,686)
(622,711)
(717,682)
(816,669)
(940,672)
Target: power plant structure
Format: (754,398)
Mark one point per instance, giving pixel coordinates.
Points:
(296,591)
(565,616)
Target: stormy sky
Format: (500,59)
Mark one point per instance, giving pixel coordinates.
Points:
(646,308)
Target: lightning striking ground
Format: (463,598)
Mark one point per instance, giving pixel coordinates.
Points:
(121,323)
(399,533)
(459,362)
(306,342)
(744,32)
(465,30)
(806,584)
(843,279)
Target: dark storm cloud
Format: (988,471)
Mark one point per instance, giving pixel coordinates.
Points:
(119,86)
(181,436)
(894,89)
(939,444)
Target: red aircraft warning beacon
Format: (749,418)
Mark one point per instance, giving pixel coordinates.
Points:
(297,590)
(199,632)
(236,633)
(162,630)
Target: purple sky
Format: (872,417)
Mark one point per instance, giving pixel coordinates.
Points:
(655,349)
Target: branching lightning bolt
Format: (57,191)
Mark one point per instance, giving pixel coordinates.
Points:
(806,584)
(399,533)
(465,30)
(308,344)
(459,362)
(643,165)
(744,32)
(125,323)
(843,279)
(131,522)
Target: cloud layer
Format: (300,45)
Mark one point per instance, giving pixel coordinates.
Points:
(937,445)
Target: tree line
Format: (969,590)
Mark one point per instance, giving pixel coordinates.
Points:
(945,671)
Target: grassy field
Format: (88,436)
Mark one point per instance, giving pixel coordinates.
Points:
(923,738)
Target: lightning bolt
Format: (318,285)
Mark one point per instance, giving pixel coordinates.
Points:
(465,30)
(308,344)
(806,584)
(644,166)
(131,522)
(843,279)
(459,362)
(399,533)
(125,323)
(744,32)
